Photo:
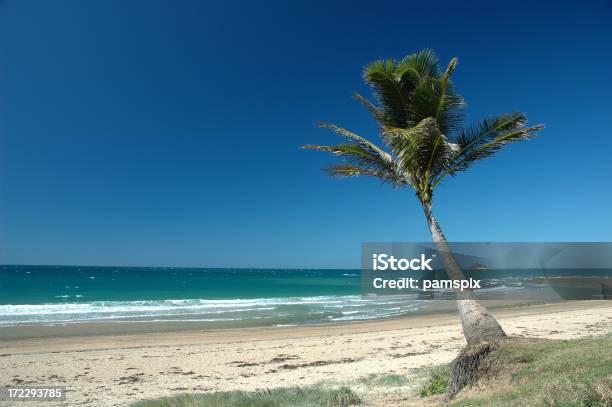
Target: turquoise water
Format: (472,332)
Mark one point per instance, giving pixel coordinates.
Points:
(44,284)
(217,297)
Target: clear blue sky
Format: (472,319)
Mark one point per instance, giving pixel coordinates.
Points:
(166,133)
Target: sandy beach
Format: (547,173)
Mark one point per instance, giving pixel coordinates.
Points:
(115,370)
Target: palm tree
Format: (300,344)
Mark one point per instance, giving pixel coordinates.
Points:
(420,117)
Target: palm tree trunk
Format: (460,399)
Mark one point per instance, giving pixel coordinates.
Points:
(478,324)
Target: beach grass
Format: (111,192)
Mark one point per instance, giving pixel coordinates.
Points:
(568,373)
(385,380)
(521,372)
(308,396)
(436,379)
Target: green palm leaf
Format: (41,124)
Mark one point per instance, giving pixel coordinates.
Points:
(348,170)
(393,97)
(365,143)
(422,64)
(377,113)
(485,139)
(356,154)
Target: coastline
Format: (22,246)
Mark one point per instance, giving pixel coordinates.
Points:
(115,369)
(127,327)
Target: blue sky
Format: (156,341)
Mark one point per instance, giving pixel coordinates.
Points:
(167,133)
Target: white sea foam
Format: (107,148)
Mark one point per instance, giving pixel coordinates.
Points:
(311,309)
(272,311)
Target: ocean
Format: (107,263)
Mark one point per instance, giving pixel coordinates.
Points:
(215,298)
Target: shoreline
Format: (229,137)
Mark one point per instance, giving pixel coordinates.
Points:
(127,327)
(90,333)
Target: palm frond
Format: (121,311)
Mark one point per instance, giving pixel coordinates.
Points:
(362,141)
(482,141)
(348,170)
(355,154)
(362,153)
(489,129)
(423,64)
(366,159)
(381,76)
(437,98)
(421,150)
(377,113)
(450,68)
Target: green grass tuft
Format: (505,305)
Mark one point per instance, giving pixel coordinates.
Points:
(437,379)
(386,380)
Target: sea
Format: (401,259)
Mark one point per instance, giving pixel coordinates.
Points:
(215,298)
